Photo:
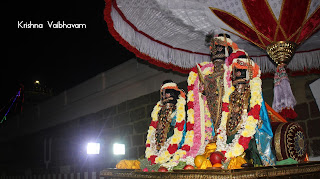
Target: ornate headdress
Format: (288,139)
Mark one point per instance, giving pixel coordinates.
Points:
(244,62)
(221,40)
(169,84)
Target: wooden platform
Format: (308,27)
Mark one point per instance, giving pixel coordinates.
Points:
(305,170)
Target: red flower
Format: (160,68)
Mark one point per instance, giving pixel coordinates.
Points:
(172,148)
(147,145)
(185,147)
(180,125)
(244,141)
(154,124)
(194,69)
(190,104)
(225,107)
(189,126)
(190,87)
(152,159)
(233,56)
(255,112)
(288,113)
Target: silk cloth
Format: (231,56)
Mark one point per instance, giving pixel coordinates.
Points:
(264,137)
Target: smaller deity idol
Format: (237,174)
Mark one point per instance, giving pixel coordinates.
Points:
(245,127)
(167,127)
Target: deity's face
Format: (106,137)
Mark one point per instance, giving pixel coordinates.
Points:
(239,76)
(169,96)
(219,48)
(218,53)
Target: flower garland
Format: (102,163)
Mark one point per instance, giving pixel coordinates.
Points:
(249,120)
(194,127)
(201,115)
(171,144)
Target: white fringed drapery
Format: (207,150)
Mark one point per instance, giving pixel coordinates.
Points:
(186,59)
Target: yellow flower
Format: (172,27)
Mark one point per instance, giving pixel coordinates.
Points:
(208,123)
(207,71)
(177,133)
(228,154)
(156,160)
(204,63)
(190,96)
(225,98)
(238,150)
(256,84)
(245,133)
(190,115)
(148,152)
(189,142)
(251,121)
(166,153)
(224,117)
(176,157)
(174,140)
(249,131)
(180,117)
(192,77)
(183,152)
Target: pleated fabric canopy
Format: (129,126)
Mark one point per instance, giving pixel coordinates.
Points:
(171,33)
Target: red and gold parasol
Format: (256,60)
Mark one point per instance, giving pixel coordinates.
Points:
(171,33)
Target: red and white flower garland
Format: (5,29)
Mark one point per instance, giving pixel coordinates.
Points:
(198,128)
(171,145)
(198,131)
(249,119)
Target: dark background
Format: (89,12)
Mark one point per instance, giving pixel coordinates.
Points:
(58,58)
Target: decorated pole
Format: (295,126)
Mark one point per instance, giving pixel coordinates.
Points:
(281,53)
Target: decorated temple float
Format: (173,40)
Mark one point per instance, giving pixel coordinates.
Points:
(222,126)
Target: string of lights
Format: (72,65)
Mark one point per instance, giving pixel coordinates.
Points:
(8,110)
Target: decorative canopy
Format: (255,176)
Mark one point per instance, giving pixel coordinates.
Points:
(171,33)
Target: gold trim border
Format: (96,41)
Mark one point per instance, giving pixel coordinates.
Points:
(277,141)
(253,29)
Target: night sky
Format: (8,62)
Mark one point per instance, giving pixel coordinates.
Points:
(58,58)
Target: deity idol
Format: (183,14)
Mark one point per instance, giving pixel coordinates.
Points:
(166,130)
(225,106)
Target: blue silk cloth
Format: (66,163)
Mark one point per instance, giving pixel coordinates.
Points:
(264,137)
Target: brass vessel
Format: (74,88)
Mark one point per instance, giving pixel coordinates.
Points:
(281,52)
